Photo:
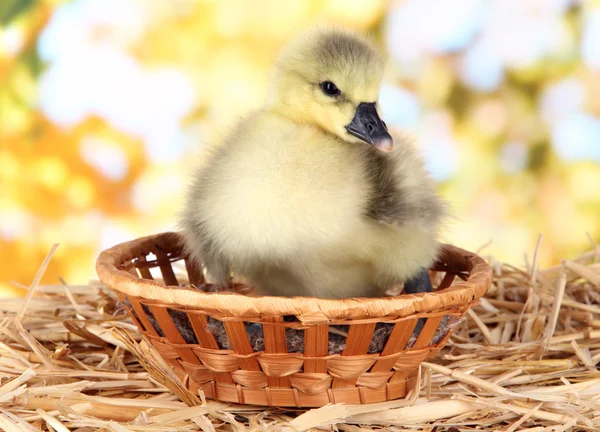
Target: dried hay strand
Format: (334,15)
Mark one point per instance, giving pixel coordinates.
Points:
(526,358)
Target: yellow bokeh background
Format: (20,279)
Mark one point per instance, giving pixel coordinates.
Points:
(94,150)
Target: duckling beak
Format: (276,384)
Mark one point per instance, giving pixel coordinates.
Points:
(367,126)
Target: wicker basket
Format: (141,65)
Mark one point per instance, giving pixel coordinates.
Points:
(274,376)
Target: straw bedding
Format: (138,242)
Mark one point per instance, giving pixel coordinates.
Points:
(526,358)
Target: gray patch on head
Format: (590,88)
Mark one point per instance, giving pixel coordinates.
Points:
(336,48)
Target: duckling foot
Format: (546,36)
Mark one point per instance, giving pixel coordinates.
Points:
(419,283)
(219,287)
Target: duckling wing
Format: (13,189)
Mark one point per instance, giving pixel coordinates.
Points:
(403,198)
(402,192)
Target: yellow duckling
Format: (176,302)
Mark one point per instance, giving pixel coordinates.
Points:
(309,196)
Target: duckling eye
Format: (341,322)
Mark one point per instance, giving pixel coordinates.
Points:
(330,89)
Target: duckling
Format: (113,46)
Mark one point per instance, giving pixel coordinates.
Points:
(310,195)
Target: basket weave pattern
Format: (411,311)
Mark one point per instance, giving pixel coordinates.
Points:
(274,376)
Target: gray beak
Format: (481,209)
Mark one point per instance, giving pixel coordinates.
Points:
(367,126)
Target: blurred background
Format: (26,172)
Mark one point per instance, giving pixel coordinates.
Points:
(103,103)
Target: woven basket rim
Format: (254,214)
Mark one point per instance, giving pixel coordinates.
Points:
(307,309)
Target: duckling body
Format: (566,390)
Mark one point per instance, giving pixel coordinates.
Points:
(298,210)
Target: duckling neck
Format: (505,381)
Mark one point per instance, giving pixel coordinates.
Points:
(302,119)
(283,110)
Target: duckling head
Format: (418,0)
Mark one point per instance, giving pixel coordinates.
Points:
(331,78)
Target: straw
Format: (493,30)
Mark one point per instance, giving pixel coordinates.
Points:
(108,377)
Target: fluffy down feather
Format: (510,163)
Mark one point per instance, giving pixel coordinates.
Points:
(295,204)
